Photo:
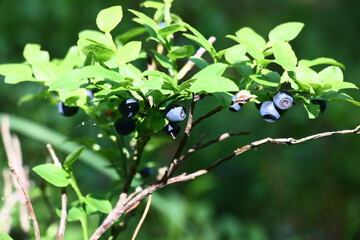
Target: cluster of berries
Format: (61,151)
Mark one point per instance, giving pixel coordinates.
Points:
(125,125)
(271,111)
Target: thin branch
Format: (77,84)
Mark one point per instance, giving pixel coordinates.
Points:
(209,114)
(143,217)
(13,149)
(190,64)
(122,207)
(9,202)
(175,161)
(61,231)
(215,140)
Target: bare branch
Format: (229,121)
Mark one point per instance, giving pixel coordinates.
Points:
(190,64)
(142,218)
(209,114)
(123,206)
(61,231)
(9,202)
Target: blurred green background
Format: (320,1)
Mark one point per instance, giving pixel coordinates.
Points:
(305,191)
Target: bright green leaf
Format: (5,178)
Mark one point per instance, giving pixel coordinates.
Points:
(152,4)
(74,214)
(72,157)
(99,203)
(284,55)
(95,37)
(4,236)
(163,60)
(320,61)
(150,25)
(102,52)
(129,51)
(77,77)
(235,53)
(200,62)
(255,43)
(313,110)
(212,84)
(286,31)
(17,72)
(109,18)
(47,72)
(71,60)
(271,79)
(166,31)
(33,54)
(53,174)
(181,52)
(215,69)
(131,33)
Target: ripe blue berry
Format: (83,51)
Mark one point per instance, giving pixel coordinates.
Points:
(66,110)
(175,113)
(124,126)
(146,172)
(172,129)
(283,100)
(321,103)
(129,107)
(269,112)
(235,107)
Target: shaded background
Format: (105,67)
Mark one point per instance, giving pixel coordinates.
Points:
(306,191)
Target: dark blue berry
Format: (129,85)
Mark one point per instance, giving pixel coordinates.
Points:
(124,126)
(321,103)
(66,110)
(172,129)
(129,107)
(146,172)
(283,100)
(269,112)
(175,113)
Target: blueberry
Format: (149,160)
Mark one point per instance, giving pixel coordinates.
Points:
(172,129)
(175,113)
(129,107)
(90,94)
(162,25)
(235,107)
(283,100)
(321,103)
(146,172)
(66,110)
(269,112)
(124,126)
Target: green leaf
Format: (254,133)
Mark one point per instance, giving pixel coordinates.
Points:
(73,97)
(313,110)
(284,55)
(95,37)
(200,62)
(47,72)
(156,120)
(212,84)
(152,4)
(74,214)
(320,61)
(166,31)
(163,60)
(199,39)
(181,52)
(150,25)
(77,77)
(133,32)
(109,18)
(337,96)
(215,69)
(99,203)
(333,75)
(255,43)
(286,31)
(33,54)
(235,53)
(53,174)
(223,98)
(102,52)
(71,60)
(17,72)
(4,236)
(72,157)
(129,51)
(271,79)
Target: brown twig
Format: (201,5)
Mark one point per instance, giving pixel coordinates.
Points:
(190,64)
(209,114)
(9,202)
(122,207)
(143,217)
(13,152)
(61,231)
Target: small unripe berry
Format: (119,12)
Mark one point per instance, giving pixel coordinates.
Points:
(66,110)
(129,107)
(269,112)
(283,100)
(124,126)
(175,113)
